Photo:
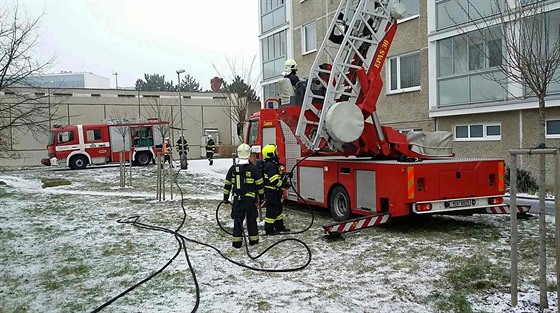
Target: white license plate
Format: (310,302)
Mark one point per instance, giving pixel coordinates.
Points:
(459,203)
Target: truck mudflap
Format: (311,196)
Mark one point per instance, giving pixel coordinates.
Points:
(46,161)
(333,231)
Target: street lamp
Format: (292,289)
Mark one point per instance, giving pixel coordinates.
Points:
(183,156)
(116,80)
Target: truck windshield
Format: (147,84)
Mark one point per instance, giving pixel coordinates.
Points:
(51,138)
(253,131)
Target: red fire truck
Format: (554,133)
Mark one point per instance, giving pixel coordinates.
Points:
(78,146)
(344,159)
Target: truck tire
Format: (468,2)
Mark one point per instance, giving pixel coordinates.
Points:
(78,162)
(339,204)
(143,158)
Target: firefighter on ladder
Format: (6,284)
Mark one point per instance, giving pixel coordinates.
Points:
(244,180)
(274,184)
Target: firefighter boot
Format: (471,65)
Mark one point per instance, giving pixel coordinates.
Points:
(211,162)
(269,229)
(279,226)
(237,244)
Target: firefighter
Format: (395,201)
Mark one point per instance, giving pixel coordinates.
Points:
(166,151)
(290,71)
(182,145)
(246,181)
(210,148)
(274,183)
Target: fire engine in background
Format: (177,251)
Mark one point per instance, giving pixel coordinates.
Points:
(77,146)
(345,160)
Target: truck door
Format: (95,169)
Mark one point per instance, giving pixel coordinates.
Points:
(66,142)
(96,141)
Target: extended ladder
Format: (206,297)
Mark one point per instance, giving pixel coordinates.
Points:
(351,41)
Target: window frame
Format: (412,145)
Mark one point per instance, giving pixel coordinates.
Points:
(405,131)
(550,136)
(304,50)
(485,136)
(411,17)
(388,77)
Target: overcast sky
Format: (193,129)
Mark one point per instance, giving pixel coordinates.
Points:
(133,37)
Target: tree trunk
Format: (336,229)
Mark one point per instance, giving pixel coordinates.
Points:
(542,222)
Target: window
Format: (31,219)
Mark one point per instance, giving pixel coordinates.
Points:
(253,132)
(478,132)
(552,128)
(408,130)
(467,68)
(269,91)
(273,14)
(308,38)
(548,29)
(453,12)
(412,7)
(273,54)
(404,73)
(93,135)
(64,137)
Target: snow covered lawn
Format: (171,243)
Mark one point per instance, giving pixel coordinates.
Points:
(62,250)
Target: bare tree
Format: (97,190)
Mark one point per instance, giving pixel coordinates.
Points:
(239,90)
(164,114)
(28,113)
(121,119)
(521,39)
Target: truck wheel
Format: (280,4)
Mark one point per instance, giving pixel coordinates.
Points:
(339,204)
(143,158)
(78,162)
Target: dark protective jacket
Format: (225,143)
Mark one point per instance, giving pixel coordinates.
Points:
(182,145)
(294,79)
(210,146)
(274,176)
(245,180)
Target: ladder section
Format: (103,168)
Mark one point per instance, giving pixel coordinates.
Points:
(351,42)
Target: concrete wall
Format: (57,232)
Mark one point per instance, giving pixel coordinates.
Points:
(86,106)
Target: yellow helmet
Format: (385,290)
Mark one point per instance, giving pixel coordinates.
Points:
(244,151)
(269,151)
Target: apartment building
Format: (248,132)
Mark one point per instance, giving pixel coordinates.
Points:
(433,79)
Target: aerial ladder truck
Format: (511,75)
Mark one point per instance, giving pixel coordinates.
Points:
(345,160)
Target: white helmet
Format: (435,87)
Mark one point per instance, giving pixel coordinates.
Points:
(290,65)
(244,151)
(209,136)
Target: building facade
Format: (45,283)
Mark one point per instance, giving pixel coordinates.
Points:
(432,79)
(203,114)
(69,80)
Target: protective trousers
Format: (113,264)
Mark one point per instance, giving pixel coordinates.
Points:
(246,206)
(274,221)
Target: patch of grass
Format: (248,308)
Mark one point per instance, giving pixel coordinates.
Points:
(48,231)
(124,269)
(263,306)
(50,281)
(118,249)
(475,273)
(6,235)
(456,302)
(78,270)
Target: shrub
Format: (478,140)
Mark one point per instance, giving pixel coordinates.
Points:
(525,182)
